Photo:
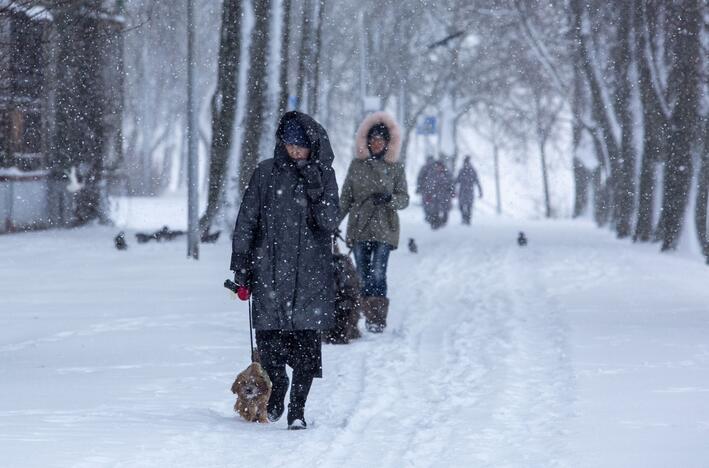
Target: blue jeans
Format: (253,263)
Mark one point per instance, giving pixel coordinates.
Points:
(372,258)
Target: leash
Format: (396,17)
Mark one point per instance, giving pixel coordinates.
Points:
(232,286)
(251,331)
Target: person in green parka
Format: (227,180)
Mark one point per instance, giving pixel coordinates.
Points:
(374,190)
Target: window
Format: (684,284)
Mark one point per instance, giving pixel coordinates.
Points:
(25,132)
(21,139)
(26,64)
(4,140)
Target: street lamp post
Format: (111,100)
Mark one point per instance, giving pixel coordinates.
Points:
(192,167)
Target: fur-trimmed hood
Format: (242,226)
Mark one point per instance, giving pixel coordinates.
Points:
(361,150)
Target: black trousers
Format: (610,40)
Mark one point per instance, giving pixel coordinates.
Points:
(299,349)
(466,210)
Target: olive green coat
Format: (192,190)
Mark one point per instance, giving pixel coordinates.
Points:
(367,176)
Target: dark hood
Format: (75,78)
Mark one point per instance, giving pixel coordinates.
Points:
(320,149)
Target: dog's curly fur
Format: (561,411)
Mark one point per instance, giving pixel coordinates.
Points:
(253,389)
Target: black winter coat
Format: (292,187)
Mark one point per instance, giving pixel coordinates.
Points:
(468,180)
(282,238)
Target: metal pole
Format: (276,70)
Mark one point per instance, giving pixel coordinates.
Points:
(192,167)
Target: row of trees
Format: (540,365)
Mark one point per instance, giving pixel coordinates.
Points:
(625,84)
(327,54)
(640,96)
(322,56)
(628,80)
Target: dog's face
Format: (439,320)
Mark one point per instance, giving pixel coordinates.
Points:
(251,383)
(252,388)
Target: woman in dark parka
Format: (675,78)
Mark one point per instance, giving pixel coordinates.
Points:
(282,254)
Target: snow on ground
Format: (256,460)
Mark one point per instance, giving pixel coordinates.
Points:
(578,350)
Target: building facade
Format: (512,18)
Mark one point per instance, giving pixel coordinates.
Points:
(61,82)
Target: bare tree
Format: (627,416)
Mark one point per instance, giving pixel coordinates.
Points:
(685,77)
(256,83)
(654,120)
(224,104)
(285,57)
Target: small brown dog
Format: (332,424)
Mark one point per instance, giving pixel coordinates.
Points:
(253,389)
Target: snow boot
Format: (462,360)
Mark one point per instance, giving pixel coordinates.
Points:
(297,424)
(276,404)
(302,382)
(376,311)
(365,305)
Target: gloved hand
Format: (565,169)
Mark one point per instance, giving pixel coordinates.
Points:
(313,180)
(381,198)
(242,291)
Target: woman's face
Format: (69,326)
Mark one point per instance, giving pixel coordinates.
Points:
(377,144)
(298,153)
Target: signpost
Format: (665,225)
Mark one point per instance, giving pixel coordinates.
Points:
(427,126)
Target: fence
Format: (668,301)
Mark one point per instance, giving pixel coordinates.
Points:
(24,200)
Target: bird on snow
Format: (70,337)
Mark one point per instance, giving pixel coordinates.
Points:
(522,239)
(413,248)
(120,241)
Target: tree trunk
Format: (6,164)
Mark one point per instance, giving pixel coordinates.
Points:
(545,177)
(63,145)
(599,112)
(582,175)
(224,103)
(285,55)
(303,56)
(256,93)
(625,178)
(498,197)
(315,79)
(653,124)
(678,169)
(601,203)
(702,204)
(581,185)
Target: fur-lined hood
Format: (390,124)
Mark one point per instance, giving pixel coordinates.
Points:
(361,150)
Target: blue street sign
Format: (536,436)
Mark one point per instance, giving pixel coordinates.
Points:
(427,125)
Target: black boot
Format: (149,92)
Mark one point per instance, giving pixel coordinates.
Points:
(298,395)
(276,402)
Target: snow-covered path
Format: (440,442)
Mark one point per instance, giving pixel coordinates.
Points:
(578,350)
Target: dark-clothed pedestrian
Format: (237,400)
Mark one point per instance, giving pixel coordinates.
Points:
(467,180)
(282,255)
(437,193)
(424,173)
(374,190)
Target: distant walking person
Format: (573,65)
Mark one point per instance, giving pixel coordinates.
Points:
(281,252)
(424,174)
(373,191)
(467,180)
(423,184)
(437,192)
